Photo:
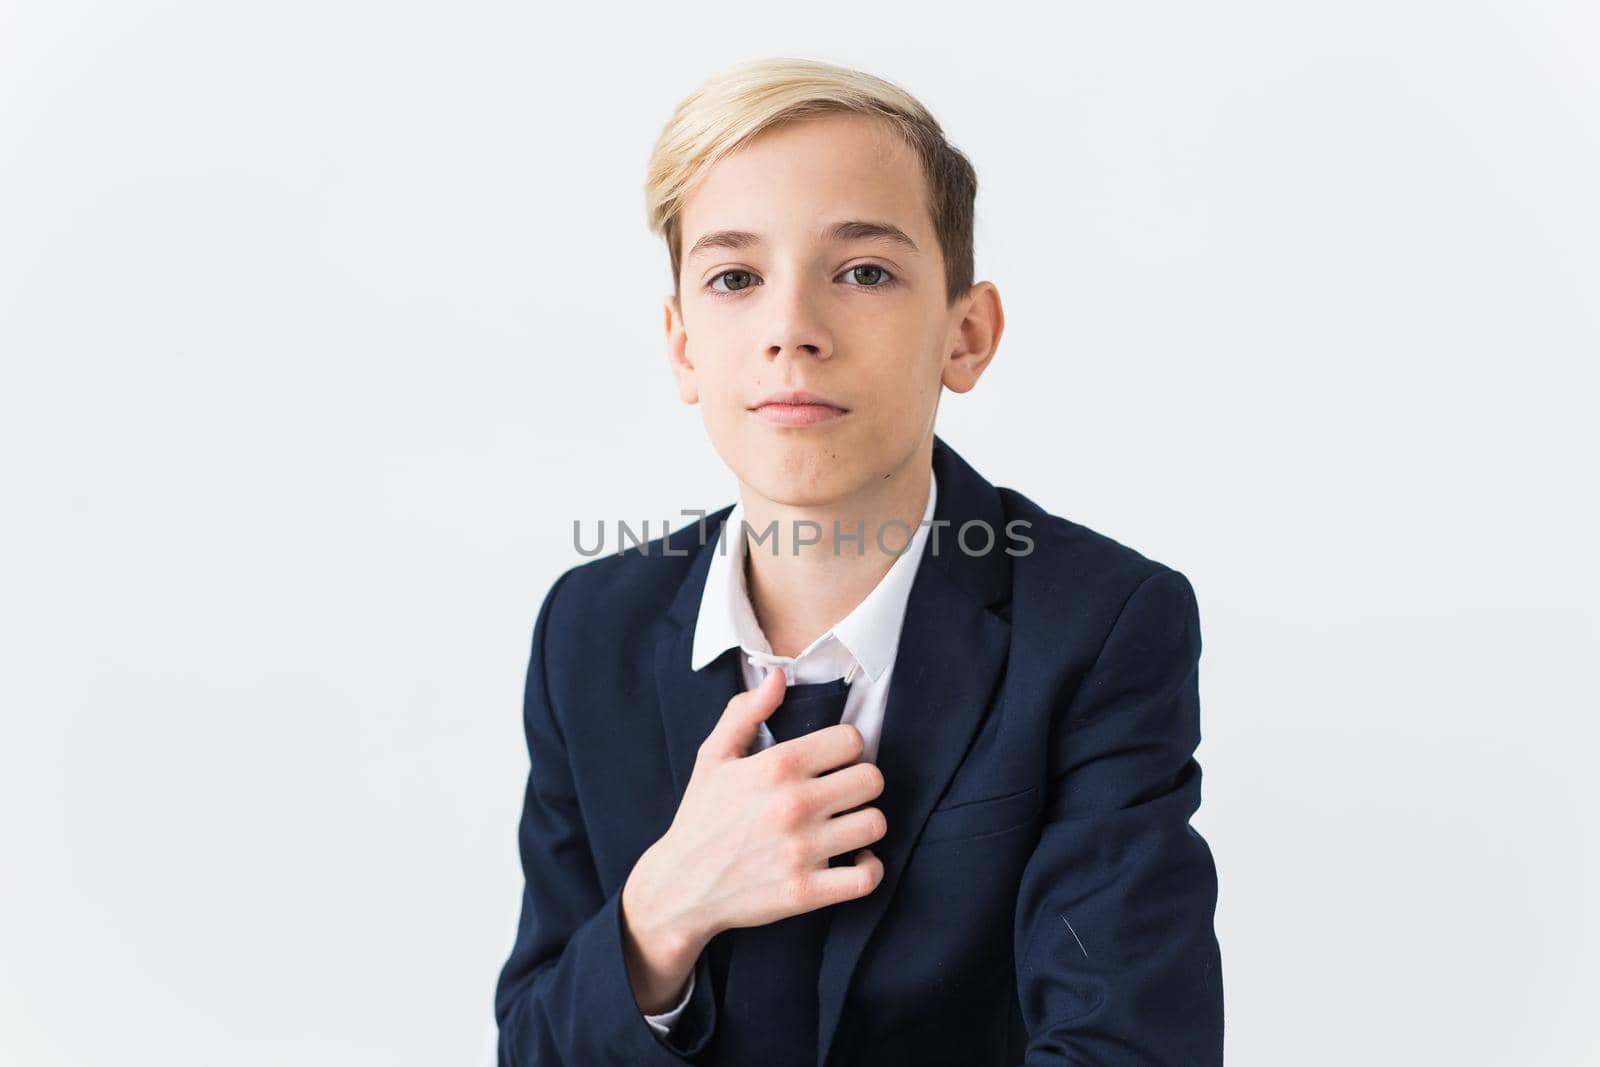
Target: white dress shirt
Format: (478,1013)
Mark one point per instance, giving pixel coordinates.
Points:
(861,646)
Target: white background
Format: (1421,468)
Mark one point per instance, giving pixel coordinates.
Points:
(321,322)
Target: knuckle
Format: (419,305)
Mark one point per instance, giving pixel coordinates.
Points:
(796,889)
(790,809)
(785,764)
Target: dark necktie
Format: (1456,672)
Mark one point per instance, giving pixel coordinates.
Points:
(768,1016)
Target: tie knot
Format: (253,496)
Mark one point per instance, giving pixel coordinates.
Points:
(808,706)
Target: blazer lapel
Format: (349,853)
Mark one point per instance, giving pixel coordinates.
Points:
(692,701)
(946,675)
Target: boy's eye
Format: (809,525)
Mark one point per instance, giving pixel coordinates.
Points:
(866,275)
(733,274)
(873,270)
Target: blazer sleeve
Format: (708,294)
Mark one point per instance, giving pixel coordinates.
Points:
(563,996)
(663,1023)
(1117,961)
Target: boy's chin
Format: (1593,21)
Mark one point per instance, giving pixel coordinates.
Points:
(801,479)
(808,468)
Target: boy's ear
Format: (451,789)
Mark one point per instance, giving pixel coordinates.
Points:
(678,350)
(976,335)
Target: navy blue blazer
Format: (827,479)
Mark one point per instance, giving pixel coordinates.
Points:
(1044,899)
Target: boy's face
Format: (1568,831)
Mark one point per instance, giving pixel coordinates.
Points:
(858,319)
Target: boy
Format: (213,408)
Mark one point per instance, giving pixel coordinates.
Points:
(911,785)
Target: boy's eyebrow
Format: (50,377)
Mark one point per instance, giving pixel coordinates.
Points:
(850,230)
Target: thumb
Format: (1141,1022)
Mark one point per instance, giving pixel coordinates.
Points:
(741,720)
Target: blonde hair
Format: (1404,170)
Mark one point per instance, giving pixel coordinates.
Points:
(741,101)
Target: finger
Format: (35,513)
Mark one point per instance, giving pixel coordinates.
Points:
(820,751)
(851,831)
(834,885)
(845,789)
(741,720)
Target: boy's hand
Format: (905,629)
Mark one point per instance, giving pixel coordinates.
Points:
(751,840)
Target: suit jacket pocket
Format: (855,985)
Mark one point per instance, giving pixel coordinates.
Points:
(974,818)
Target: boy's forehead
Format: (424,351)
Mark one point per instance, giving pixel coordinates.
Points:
(802,178)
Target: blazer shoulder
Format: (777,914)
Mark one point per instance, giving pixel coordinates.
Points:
(1073,560)
(1075,585)
(617,592)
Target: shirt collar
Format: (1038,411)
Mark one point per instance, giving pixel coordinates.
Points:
(869,634)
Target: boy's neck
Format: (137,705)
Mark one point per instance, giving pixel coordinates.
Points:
(798,594)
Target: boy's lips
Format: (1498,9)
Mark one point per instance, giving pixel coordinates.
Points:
(797,407)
